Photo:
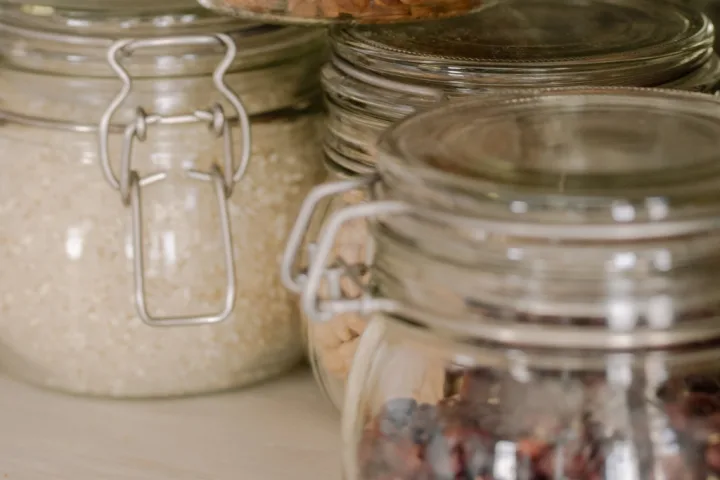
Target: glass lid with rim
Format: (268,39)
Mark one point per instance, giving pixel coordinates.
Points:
(70,49)
(538,42)
(103,5)
(620,163)
(76,42)
(576,206)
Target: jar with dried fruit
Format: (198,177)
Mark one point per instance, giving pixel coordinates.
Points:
(379,76)
(153,163)
(542,292)
(342,11)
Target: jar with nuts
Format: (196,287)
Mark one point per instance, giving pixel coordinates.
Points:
(542,299)
(379,76)
(342,11)
(332,345)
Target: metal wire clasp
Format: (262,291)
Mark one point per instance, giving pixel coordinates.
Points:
(322,268)
(129,183)
(291,276)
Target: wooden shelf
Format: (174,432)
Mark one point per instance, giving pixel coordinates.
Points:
(282,430)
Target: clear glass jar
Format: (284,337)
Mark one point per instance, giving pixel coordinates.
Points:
(342,11)
(543,294)
(379,76)
(149,184)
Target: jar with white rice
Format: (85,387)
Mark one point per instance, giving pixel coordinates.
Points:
(152,166)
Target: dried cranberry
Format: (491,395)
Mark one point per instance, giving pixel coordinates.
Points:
(396,416)
(712,457)
(702,384)
(423,423)
(701,405)
(398,457)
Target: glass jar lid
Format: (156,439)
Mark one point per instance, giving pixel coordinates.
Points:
(103,5)
(176,56)
(527,218)
(595,163)
(58,39)
(526,43)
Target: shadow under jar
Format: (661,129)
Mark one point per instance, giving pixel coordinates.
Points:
(540,309)
(379,76)
(148,186)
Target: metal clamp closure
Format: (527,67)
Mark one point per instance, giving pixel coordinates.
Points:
(321,269)
(323,308)
(129,183)
(291,276)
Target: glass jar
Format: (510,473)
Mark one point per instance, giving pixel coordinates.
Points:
(542,291)
(342,11)
(153,165)
(379,76)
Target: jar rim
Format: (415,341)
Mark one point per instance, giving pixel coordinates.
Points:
(594,163)
(75,43)
(358,94)
(506,40)
(104,5)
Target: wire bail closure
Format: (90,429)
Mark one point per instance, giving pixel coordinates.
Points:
(129,183)
(325,269)
(309,285)
(293,279)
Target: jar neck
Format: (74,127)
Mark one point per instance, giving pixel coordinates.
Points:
(488,282)
(539,292)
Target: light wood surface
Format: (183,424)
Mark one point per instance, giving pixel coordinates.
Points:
(281,430)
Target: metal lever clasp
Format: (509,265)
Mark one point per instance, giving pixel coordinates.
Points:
(215,116)
(136,184)
(130,184)
(322,310)
(291,277)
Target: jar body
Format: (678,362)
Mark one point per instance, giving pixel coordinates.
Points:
(419,406)
(69,319)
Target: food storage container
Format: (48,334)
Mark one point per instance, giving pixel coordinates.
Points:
(342,11)
(379,76)
(152,168)
(542,296)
